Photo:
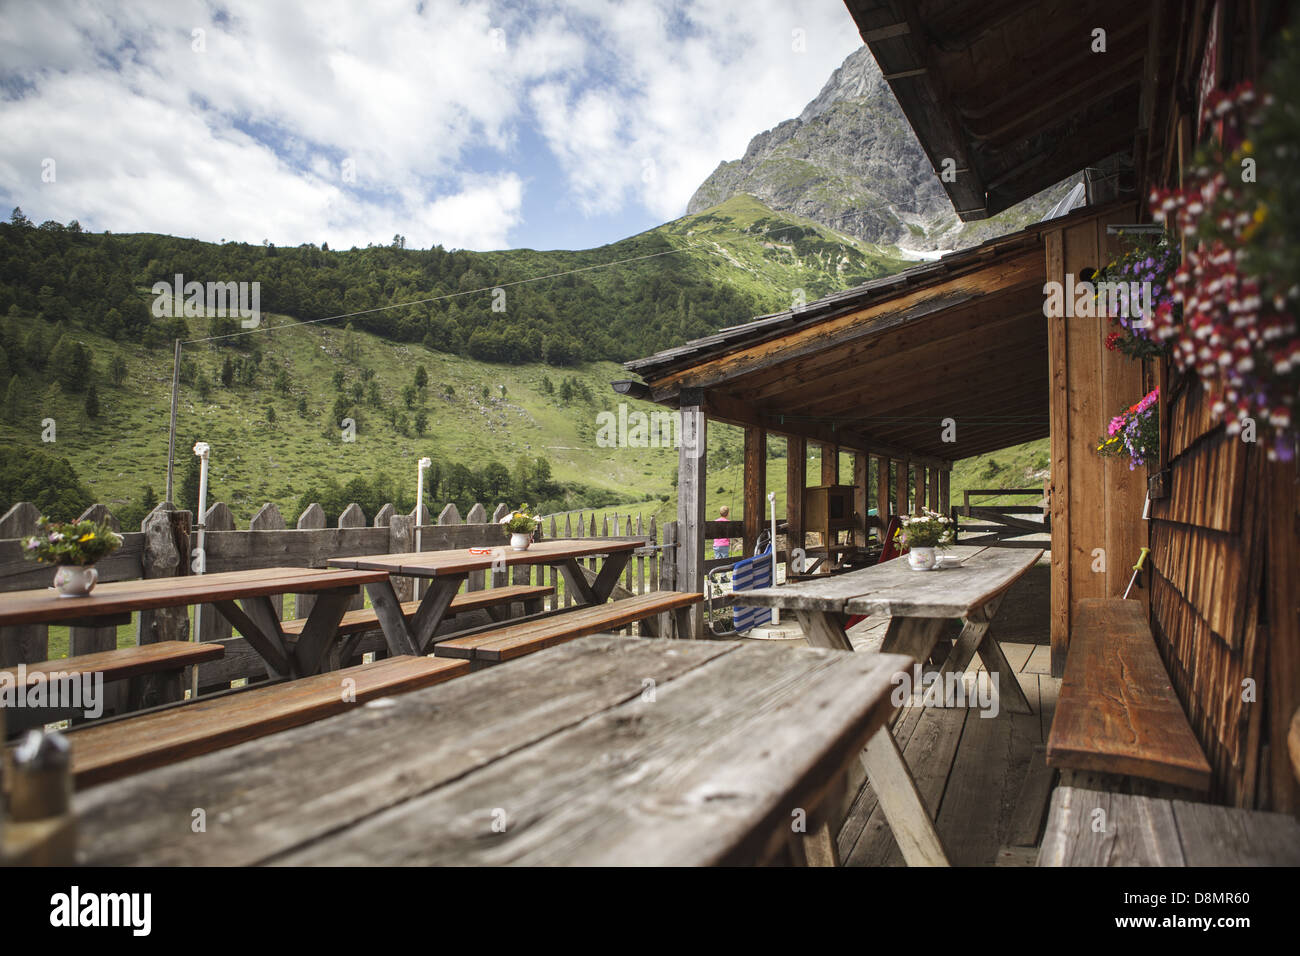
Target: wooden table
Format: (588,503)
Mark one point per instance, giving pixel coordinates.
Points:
(605,750)
(257,620)
(448,570)
(918,604)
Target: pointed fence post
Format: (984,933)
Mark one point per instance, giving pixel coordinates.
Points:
(354,517)
(312,519)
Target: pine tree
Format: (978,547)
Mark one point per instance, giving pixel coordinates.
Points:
(92,402)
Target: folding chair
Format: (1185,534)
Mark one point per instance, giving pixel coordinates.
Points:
(746,575)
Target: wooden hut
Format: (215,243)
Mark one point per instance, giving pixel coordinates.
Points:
(1014,96)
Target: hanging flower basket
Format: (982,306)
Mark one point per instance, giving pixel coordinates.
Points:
(1134,432)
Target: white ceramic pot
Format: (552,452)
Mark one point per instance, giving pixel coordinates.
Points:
(922,559)
(520,542)
(73,581)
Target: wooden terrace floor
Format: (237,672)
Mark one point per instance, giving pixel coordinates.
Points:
(985,776)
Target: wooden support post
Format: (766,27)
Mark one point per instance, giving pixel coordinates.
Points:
(918,499)
(830,465)
(934,489)
(861,473)
(692,477)
(904,483)
(883,489)
(796,455)
(945,491)
(755,486)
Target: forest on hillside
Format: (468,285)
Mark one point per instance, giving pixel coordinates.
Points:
(483,309)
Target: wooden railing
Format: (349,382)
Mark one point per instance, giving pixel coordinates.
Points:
(1003,525)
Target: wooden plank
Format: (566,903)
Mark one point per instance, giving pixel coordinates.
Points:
(739,745)
(515,640)
(477,720)
(692,491)
(1030,812)
(123,663)
(125,596)
(1059,490)
(1117,712)
(755,494)
(1095,828)
(311,519)
(1228,836)
(893,589)
(796,462)
(115,750)
(435,563)
(974,819)
(366,619)
(883,499)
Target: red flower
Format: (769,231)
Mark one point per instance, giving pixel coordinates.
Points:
(1112,340)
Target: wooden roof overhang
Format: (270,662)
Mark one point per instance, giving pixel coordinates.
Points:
(1012,92)
(879,367)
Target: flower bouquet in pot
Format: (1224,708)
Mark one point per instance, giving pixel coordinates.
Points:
(521,526)
(924,533)
(74,547)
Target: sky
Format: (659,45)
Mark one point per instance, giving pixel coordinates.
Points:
(466,123)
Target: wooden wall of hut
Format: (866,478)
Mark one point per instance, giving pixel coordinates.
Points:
(1224,612)
(1096,504)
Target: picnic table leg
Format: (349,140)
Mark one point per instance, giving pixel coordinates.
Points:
(261,628)
(577,582)
(914,636)
(972,641)
(321,629)
(433,608)
(609,574)
(823,629)
(388,611)
(901,802)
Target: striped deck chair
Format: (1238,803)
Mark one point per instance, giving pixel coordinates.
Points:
(746,575)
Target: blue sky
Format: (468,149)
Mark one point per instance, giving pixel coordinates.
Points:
(469,123)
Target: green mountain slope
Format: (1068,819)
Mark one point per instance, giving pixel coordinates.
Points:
(75,313)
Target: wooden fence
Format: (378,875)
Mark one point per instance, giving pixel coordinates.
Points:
(165,547)
(1003,526)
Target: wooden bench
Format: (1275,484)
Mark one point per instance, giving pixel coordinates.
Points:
(1133,830)
(515,640)
(495,601)
(116,749)
(1117,713)
(155,671)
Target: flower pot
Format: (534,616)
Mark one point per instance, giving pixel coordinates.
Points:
(922,559)
(520,542)
(74,581)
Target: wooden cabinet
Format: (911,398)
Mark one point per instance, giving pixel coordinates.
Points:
(828,510)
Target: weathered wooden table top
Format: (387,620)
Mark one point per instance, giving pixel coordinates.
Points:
(116,597)
(460,560)
(894,589)
(605,750)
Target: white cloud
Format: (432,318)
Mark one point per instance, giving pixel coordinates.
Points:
(638,101)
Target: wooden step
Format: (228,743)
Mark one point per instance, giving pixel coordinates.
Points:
(110,751)
(364,619)
(515,640)
(124,662)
